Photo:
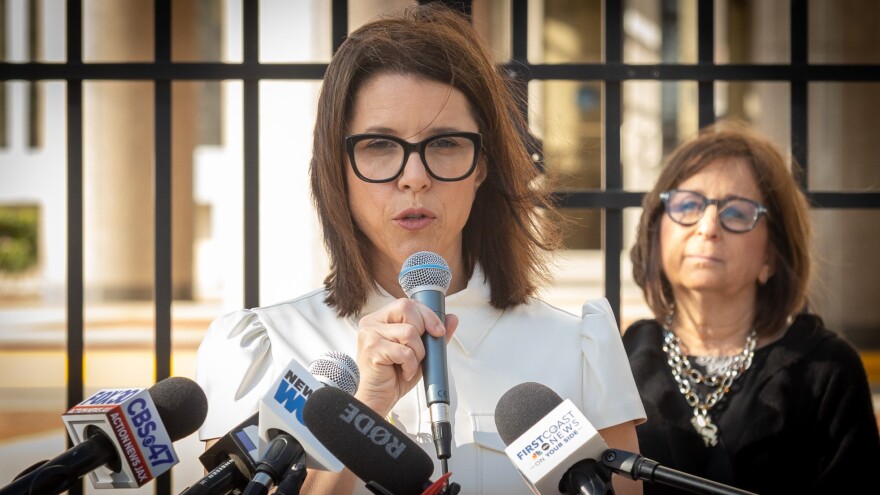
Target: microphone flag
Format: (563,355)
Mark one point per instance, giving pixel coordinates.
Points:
(281,410)
(129,417)
(546,450)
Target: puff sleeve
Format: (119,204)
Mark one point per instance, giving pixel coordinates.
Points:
(233,365)
(610,395)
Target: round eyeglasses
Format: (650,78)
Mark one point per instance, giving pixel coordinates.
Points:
(736,214)
(448,157)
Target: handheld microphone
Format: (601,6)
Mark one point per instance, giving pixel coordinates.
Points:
(425,277)
(283,437)
(122,438)
(557,450)
(382,456)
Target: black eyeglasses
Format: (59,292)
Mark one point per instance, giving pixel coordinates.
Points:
(736,214)
(448,157)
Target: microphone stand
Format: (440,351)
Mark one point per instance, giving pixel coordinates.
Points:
(59,474)
(641,468)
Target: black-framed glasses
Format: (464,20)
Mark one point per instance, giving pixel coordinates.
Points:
(448,157)
(736,214)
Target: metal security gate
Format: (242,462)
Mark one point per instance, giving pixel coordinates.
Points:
(611,199)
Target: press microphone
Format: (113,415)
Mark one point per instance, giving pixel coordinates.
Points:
(283,437)
(425,277)
(122,438)
(231,461)
(382,456)
(557,450)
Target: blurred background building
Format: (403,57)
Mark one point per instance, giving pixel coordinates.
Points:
(154,164)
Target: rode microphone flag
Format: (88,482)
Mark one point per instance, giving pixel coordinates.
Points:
(370,447)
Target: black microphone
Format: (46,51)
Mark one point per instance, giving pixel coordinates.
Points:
(425,277)
(281,454)
(122,438)
(231,461)
(368,445)
(557,450)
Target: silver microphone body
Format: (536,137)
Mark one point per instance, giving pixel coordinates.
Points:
(425,277)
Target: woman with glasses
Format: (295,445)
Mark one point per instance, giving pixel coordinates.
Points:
(741,384)
(418,147)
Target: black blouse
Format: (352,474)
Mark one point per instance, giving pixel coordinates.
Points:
(799,420)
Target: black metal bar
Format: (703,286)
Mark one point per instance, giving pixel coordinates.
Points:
(163,196)
(705,57)
(162,288)
(612,245)
(844,200)
(75,299)
(519,18)
(619,199)
(799,110)
(251,146)
(339,23)
(162,184)
(611,71)
(162,30)
(251,32)
(606,198)
(517,71)
(126,71)
(612,238)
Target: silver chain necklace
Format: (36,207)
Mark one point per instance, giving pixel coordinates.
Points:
(688,378)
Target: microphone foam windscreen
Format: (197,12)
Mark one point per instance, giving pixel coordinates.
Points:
(336,369)
(521,407)
(369,446)
(182,405)
(424,269)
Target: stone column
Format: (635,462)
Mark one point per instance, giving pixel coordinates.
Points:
(119,158)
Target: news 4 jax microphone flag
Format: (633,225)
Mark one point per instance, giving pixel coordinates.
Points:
(281,411)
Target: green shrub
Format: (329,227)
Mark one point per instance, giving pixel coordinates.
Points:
(18,238)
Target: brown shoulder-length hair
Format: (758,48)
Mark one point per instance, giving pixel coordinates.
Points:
(785,293)
(511,228)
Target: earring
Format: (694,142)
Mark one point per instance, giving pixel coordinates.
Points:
(668,320)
